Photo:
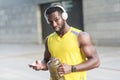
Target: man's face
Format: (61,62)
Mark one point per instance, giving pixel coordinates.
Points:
(56,21)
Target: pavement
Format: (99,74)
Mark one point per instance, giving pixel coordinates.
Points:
(14,60)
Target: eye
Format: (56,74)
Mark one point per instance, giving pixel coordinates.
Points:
(57,19)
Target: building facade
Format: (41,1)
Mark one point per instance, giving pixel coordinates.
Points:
(21,21)
(102,21)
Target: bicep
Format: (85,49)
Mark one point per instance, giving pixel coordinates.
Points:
(46,53)
(89,51)
(86,45)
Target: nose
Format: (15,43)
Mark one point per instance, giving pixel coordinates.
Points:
(54,24)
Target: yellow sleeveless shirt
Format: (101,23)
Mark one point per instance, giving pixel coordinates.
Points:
(67,50)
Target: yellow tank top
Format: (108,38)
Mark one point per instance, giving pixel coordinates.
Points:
(66,49)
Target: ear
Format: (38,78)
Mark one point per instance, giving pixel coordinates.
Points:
(64,15)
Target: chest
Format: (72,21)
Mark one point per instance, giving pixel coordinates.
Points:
(63,45)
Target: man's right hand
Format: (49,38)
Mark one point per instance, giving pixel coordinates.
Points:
(38,65)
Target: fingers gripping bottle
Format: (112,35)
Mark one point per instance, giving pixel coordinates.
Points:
(53,65)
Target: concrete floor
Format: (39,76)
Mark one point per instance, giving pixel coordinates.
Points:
(14,60)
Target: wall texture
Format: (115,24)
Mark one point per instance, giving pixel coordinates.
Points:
(19,21)
(102,21)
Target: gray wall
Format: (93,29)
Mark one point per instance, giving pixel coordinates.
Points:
(18,21)
(102,21)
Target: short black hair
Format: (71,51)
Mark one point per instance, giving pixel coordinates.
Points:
(53,9)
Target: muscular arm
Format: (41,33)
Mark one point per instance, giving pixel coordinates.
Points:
(42,65)
(88,51)
(46,53)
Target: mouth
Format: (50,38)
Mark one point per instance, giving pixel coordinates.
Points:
(56,28)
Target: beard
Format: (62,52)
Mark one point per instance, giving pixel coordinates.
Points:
(60,30)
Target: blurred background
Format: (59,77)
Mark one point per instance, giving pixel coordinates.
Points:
(23,30)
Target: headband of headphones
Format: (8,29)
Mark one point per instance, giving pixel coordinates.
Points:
(64,13)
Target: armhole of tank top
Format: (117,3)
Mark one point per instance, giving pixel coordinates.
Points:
(47,39)
(78,39)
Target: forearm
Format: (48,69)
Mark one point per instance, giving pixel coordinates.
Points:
(87,65)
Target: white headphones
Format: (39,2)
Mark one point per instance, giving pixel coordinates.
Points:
(64,14)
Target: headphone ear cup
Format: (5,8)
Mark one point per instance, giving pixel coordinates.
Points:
(64,15)
(47,21)
(46,18)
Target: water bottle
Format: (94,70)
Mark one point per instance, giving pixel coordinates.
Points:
(53,66)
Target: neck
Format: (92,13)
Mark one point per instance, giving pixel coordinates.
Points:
(65,30)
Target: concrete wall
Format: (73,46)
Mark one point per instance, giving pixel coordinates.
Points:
(18,24)
(19,21)
(102,21)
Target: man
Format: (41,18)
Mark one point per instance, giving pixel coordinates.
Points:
(72,47)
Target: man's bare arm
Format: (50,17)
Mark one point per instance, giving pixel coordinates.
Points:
(43,64)
(89,51)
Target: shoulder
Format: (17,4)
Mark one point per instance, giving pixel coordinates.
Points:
(84,38)
(84,34)
(51,37)
(75,29)
(52,34)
